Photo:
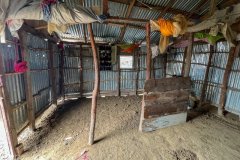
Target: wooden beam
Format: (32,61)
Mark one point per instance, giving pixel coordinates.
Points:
(105,7)
(148,7)
(125,20)
(27,79)
(167,7)
(123,30)
(205,82)
(7,109)
(149,53)
(52,74)
(212,8)
(188,56)
(96,86)
(226,75)
(227,3)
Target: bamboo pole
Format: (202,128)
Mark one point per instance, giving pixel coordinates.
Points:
(81,71)
(149,54)
(96,86)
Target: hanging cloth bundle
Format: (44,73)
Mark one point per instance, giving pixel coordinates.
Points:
(169,28)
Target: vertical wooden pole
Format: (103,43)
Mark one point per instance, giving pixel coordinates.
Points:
(205,82)
(188,56)
(96,86)
(184,57)
(225,81)
(52,73)
(118,73)
(81,71)
(149,54)
(137,72)
(165,65)
(61,85)
(27,79)
(6,108)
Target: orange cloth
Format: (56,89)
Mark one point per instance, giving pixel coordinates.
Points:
(166,27)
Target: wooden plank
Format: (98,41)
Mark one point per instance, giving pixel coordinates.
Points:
(167,84)
(125,20)
(166,97)
(164,121)
(205,82)
(188,56)
(158,110)
(226,75)
(52,73)
(149,53)
(96,86)
(27,79)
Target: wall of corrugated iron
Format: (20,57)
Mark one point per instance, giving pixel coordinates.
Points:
(39,68)
(197,73)
(108,79)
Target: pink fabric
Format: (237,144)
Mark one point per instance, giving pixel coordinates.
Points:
(20,67)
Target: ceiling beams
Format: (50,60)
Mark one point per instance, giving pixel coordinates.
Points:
(157,8)
(123,29)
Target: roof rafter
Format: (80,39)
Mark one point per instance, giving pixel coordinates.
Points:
(123,29)
(157,8)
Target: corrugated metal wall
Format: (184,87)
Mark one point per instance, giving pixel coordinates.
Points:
(108,79)
(197,73)
(39,68)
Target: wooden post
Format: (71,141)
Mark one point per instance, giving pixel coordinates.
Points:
(96,86)
(204,88)
(118,73)
(165,65)
(149,54)
(184,57)
(137,72)
(61,73)
(224,86)
(52,73)
(81,71)
(27,79)
(7,110)
(188,56)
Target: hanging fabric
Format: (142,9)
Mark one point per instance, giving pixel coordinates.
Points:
(169,28)
(20,66)
(210,39)
(128,48)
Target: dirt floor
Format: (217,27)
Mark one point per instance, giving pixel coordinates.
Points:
(64,135)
